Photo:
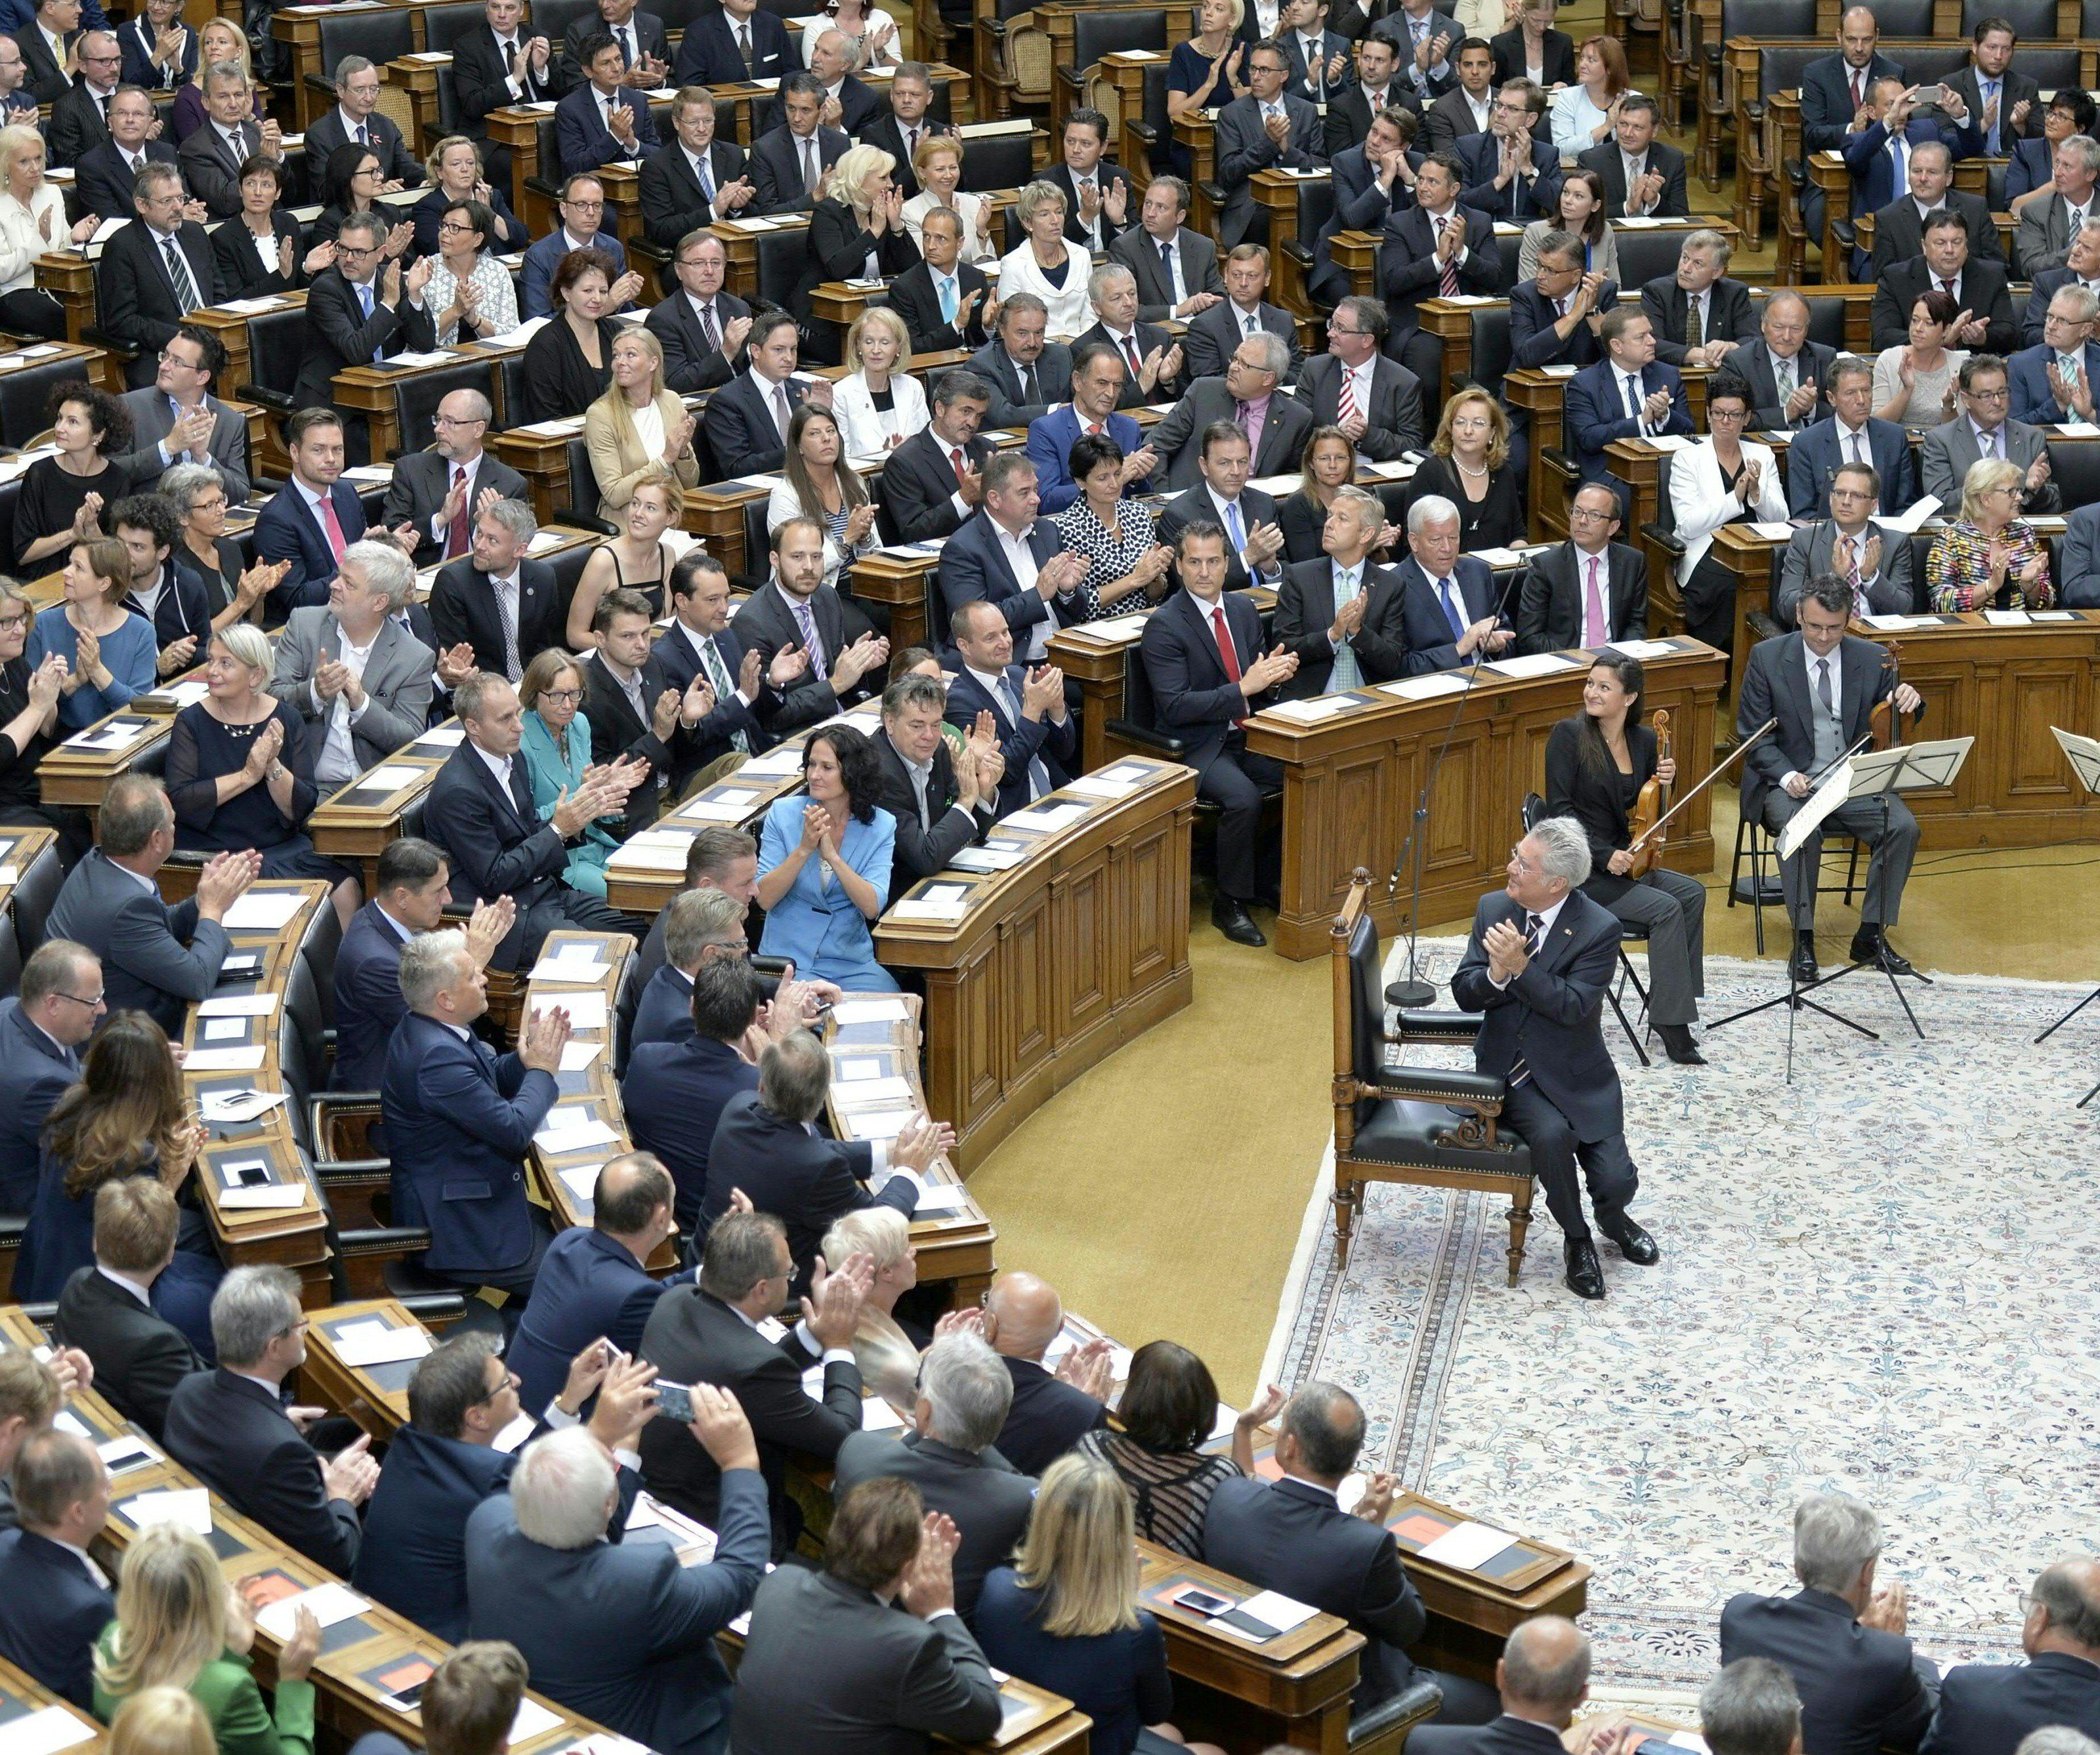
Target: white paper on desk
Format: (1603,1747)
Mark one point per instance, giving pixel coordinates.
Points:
(1642,650)
(250,307)
(106,737)
(533,1720)
(581,1181)
(1499,556)
(1046,816)
(778,766)
(877,1124)
(1909,520)
(223,1060)
(262,1197)
(1672,442)
(1003,856)
(239,1105)
(386,1347)
(225,1029)
(1225,1421)
(870,1011)
(1426,687)
(444,737)
(571,1130)
(1898,624)
(1466,1547)
(877,1415)
(582,968)
(585,1007)
(263,911)
(651,856)
(390,776)
(1396,469)
(239,1005)
(1775,529)
(937,1198)
(858,1093)
(188,1506)
(1560,371)
(371,474)
(928,908)
(2077,430)
(330,1603)
(2006,618)
(1273,1609)
(1118,630)
(1688,1739)
(47,1729)
(757,224)
(724,807)
(578,1056)
(858,1069)
(2040,616)
(185,693)
(1531,664)
(1310,713)
(128,1450)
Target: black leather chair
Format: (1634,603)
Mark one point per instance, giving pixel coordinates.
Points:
(2077,471)
(25,395)
(417,394)
(997,161)
(1152,128)
(551,18)
(276,341)
(1534,811)
(1315,207)
(380,36)
(449,120)
(2030,19)
(444,25)
(757,547)
(1491,346)
(567,565)
(781,258)
(581,512)
(36,891)
(547,185)
(1095,34)
(1422,1126)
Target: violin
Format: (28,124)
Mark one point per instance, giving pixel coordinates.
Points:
(1645,825)
(1886,722)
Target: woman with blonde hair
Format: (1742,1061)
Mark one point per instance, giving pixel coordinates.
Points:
(32,221)
(638,424)
(640,558)
(885,1349)
(938,166)
(458,173)
(1208,71)
(1065,1615)
(879,404)
(857,233)
(180,1625)
(817,482)
(1990,558)
(1047,263)
(28,717)
(162,1721)
(218,41)
(1469,464)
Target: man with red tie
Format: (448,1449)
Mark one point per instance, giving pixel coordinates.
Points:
(934,480)
(436,494)
(1834,95)
(313,520)
(1203,655)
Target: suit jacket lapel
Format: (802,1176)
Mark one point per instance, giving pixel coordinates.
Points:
(1793,678)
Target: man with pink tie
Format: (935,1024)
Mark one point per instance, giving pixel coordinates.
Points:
(1589,591)
(313,520)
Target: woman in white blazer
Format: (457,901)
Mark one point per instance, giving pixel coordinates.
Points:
(32,221)
(1047,263)
(880,405)
(1723,479)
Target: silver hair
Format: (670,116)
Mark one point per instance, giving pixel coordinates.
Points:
(1565,850)
(560,1489)
(2085,147)
(221,70)
(515,516)
(252,1306)
(1105,276)
(2057,1740)
(1940,146)
(2082,296)
(153,174)
(1365,503)
(246,643)
(348,69)
(184,483)
(694,919)
(970,1390)
(1707,239)
(1033,198)
(429,962)
(794,1075)
(1752,1708)
(1275,352)
(1834,1536)
(1431,509)
(881,1231)
(385,568)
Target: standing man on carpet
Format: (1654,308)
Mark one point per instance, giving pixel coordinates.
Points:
(1536,967)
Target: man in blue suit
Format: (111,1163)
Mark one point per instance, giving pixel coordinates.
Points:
(737,40)
(603,121)
(1038,738)
(53,1011)
(622,1635)
(1505,173)
(53,1600)
(674,1091)
(583,206)
(2053,382)
(1850,431)
(700,926)
(1628,394)
(295,526)
(1202,653)
(1554,320)
(593,1285)
(1878,156)
(701,641)
(460,1120)
(748,418)
(1834,90)
(1368,190)
(1005,540)
(1987,1708)
(1097,375)
(444,1462)
(1449,618)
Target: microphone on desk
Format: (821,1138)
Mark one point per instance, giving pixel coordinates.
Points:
(1410,992)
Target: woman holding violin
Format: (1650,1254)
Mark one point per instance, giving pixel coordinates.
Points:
(1612,774)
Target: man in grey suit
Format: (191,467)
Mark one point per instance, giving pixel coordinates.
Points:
(1028,375)
(155,958)
(897,1663)
(1784,369)
(2048,226)
(1261,132)
(962,1399)
(1176,268)
(360,680)
(1984,429)
(1849,543)
(1248,396)
(177,417)
(437,494)
(1385,398)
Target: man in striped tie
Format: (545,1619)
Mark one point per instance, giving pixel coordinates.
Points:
(1435,248)
(1535,967)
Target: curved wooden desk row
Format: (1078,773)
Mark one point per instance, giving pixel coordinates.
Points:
(29,1710)
(365,1657)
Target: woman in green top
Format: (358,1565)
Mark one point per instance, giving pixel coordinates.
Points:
(180,1625)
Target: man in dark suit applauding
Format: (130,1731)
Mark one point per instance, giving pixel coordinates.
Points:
(1449,613)
(700,328)
(154,271)
(1028,375)
(356,314)
(107,1310)
(1009,557)
(1289,1535)
(495,601)
(1852,435)
(746,427)
(1340,614)
(1643,176)
(1987,1708)
(1699,315)
(1588,591)
(1863,1688)
(1543,1677)
(105,174)
(1176,268)
(1265,129)
(496,65)
(356,116)
(1540,957)
(232,1428)
(603,121)
(644,49)
(1202,653)
(1052,1410)
(1628,394)
(739,40)
(1979,285)
(1784,369)
(1037,740)
(941,298)
(54,1010)
(634,707)
(1433,249)
(933,480)
(676,1084)
(1376,401)
(942,803)
(1899,226)
(788,160)
(52,1596)
(1510,174)
(697,178)
(709,1334)
(1823,685)
(1554,319)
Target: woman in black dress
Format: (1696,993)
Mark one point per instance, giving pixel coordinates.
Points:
(1469,464)
(63,497)
(569,362)
(1328,462)
(1596,763)
(240,769)
(259,251)
(28,724)
(352,180)
(204,551)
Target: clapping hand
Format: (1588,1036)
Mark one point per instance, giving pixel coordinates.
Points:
(87,521)
(488,926)
(540,1043)
(262,752)
(1089,1368)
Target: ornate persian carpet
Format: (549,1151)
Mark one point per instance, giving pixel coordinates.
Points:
(1879,1278)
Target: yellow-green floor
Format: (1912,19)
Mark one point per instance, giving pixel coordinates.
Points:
(1162,1192)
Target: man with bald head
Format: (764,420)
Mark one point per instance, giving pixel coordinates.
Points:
(1052,1411)
(1542,1675)
(80,119)
(1834,95)
(1987,1708)
(437,493)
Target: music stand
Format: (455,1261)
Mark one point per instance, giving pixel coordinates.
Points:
(2084,756)
(1876,773)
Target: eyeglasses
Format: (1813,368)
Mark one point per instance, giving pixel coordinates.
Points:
(16,621)
(511,1380)
(1999,395)
(455,419)
(169,359)
(1714,414)
(584,207)
(570,695)
(1586,515)
(455,225)
(1522,864)
(343,249)
(208,506)
(60,993)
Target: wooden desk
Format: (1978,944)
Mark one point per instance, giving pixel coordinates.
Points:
(1198,133)
(899,579)
(376,1397)
(563,1182)
(1057,962)
(1351,781)
(59,1724)
(72,773)
(1276,194)
(96,365)
(358,821)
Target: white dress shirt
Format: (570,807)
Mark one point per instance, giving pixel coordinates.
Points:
(337,760)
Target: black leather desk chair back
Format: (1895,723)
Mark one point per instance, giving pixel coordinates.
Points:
(2076,465)
(1491,345)
(417,397)
(25,395)
(998,161)
(277,341)
(2031,19)
(581,512)
(444,25)
(781,258)
(380,36)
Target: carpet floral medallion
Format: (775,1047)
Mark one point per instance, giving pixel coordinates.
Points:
(1879,1277)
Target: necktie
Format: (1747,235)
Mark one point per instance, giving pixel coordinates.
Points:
(1783,376)
(705,176)
(1454,612)
(457,541)
(1234,527)
(709,332)
(743,45)
(2067,364)
(1947,287)
(365,299)
(948,302)
(1989,446)
(179,272)
(781,411)
(1854,440)
(332,525)
(962,469)
(1852,572)
(1695,326)
(1596,626)
(910,144)
(1823,686)
(628,57)
(363,135)
(1347,674)
(718,679)
(1253,327)
(506,607)
(1038,775)
(1859,87)
(810,166)
(1129,354)
(1988,92)
(1630,387)
(1903,181)
(1345,402)
(807,623)
(1166,264)
(1560,307)
(1028,396)
(1447,283)
(1534,927)
(1228,653)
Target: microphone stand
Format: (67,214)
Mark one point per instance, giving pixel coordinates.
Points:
(1410,993)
